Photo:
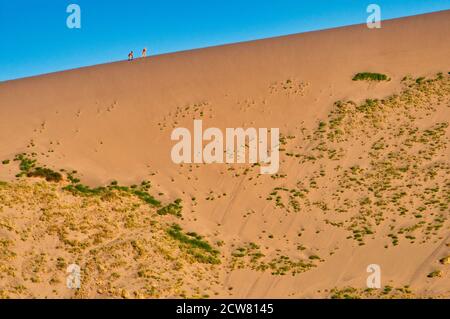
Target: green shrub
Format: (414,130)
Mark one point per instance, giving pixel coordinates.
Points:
(420,80)
(80,189)
(194,245)
(368,76)
(174,209)
(146,197)
(312,257)
(25,163)
(48,174)
(436,273)
(28,167)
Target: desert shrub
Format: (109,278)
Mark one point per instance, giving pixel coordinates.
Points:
(80,189)
(76,188)
(174,208)
(25,163)
(345,293)
(420,80)
(194,245)
(48,174)
(368,76)
(28,168)
(72,178)
(436,273)
(146,197)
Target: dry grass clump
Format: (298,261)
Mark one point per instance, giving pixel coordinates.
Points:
(124,249)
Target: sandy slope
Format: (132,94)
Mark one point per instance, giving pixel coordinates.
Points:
(113,122)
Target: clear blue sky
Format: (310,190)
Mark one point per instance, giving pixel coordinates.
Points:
(35,38)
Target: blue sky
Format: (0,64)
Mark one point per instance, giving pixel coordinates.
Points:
(35,38)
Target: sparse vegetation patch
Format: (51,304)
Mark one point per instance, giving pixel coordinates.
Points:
(194,245)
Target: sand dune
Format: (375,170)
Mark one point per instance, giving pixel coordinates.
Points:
(364,172)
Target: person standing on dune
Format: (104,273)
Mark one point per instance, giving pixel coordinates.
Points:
(144,52)
(131,56)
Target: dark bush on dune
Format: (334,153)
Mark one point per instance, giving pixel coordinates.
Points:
(368,76)
(48,174)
